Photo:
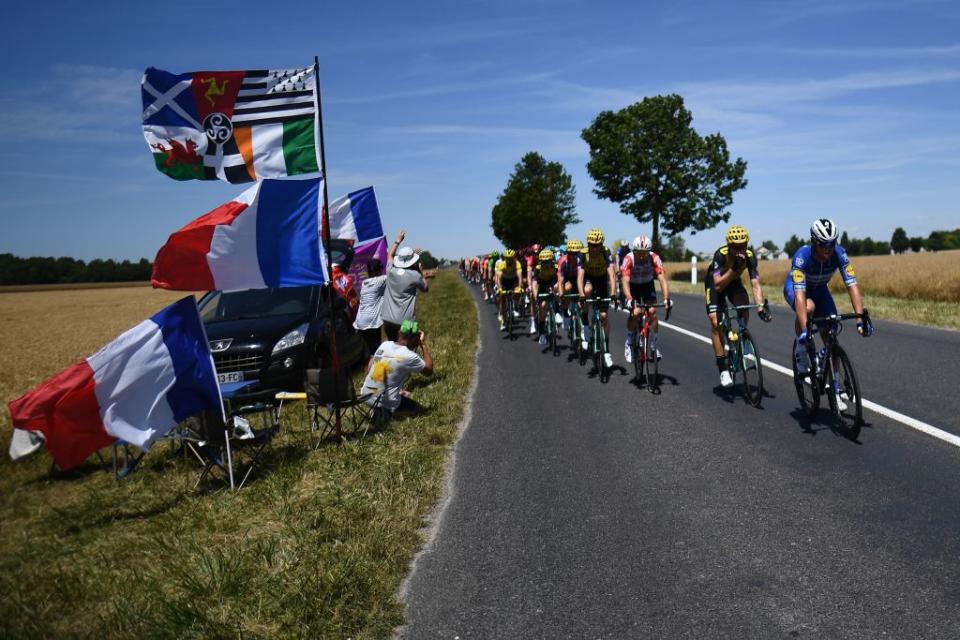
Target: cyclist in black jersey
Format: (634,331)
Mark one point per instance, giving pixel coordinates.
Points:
(724,282)
(596,279)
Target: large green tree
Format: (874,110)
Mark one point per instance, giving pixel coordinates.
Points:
(899,242)
(537,204)
(650,160)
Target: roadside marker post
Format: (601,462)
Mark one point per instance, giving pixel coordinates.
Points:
(693,269)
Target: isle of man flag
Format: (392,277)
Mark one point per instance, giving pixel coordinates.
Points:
(237,126)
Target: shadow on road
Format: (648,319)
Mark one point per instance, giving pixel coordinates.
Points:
(822,421)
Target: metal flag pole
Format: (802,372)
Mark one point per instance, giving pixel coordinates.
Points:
(335,360)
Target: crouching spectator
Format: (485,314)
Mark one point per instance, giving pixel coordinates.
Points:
(392,364)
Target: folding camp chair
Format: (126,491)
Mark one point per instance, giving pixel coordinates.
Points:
(328,391)
(216,443)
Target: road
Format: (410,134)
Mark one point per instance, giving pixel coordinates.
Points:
(587,510)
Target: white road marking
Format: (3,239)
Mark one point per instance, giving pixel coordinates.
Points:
(913,423)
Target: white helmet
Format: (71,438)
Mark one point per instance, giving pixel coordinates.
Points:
(824,231)
(641,243)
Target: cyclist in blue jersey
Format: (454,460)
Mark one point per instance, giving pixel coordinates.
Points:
(806,286)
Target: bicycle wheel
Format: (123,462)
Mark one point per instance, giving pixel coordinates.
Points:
(599,348)
(582,353)
(638,355)
(509,318)
(807,385)
(752,369)
(842,380)
(653,365)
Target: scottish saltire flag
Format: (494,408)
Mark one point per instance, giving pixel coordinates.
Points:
(356,217)
(237,126)
(136,388)
(269,236)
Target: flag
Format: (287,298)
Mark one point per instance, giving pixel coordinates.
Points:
(136,388)
(238,126)
(362,255)
(269,236)
(356,217)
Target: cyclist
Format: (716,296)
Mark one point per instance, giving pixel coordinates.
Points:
(805,288)
(527,263)
(640,267)
(567,269)
(485,265)
(507,279)
(543,278)
(724,282)
(595,279)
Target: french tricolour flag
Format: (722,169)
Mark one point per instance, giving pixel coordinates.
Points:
(269,236)
(356,217)
(136,388)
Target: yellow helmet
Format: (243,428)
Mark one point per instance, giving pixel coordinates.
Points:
(737,235)
(509,253)
(595,236)
(574,246)
(545,255)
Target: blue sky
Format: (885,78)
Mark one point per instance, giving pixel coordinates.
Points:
(845,108)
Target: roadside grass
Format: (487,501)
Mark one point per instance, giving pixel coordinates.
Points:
(917,288)
(315,545)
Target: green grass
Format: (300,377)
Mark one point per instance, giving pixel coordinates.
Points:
(932,313)
(314,546)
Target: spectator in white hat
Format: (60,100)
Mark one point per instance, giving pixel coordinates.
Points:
(404,280)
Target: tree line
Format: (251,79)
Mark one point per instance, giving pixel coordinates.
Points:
(900,242)
(48,270)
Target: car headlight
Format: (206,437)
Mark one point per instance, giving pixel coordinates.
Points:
(292,339)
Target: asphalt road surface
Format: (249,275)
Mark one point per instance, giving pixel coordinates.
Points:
(580,509)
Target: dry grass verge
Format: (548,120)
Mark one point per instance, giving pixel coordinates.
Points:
(314,546)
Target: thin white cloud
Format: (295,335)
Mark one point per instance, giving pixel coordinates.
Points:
(465,86)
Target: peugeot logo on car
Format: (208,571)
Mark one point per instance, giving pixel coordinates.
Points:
(216,346)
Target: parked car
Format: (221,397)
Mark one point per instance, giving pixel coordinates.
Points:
(271,336)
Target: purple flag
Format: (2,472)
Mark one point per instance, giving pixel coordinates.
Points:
(363,253)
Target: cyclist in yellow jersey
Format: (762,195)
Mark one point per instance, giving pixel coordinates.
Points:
(542,278)
(596,279)
(507,279)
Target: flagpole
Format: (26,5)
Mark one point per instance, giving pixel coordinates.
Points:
(331,324)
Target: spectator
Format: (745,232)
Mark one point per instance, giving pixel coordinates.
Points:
(369,318)
(392,364)
(343,285)
(403,282)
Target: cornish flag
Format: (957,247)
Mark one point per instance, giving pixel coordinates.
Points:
(269,236)
(136,388)
(237,126)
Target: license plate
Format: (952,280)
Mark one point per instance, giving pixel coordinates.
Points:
(233,376)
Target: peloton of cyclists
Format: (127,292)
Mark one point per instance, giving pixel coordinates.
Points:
(724,282)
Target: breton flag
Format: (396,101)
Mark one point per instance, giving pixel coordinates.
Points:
(136,388)
(268,236)
(238,126)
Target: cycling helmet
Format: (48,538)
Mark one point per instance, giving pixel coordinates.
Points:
(595,236)
(494,255)
(824,232)
(574,246)
(641,243)
(546,255)
(737,235)
(509,253)
(536,248)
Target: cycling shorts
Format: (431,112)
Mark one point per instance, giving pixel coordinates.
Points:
(645,292)
(509,284)
(716,302)
(601,289)
(821,297)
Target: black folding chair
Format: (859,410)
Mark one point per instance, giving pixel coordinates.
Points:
(221,445)
(327,392)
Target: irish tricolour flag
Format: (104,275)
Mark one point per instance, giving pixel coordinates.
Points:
(269,236)
(136,388)
(237,126)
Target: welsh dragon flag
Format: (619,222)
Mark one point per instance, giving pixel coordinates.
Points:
(237,126)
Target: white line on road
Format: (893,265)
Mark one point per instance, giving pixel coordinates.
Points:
(913,423)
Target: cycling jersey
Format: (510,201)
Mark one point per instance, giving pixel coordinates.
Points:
(595,264)
(806,273)
(643,271)
(724,261)
(545,272)
(509,271)
(568,266)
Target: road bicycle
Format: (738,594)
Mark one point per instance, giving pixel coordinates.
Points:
(744,357)
(645,361)
(575,330)
(831,373)
(511,309)
(553,330)
(597,345)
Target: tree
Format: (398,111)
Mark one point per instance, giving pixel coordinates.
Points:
(916,244)
(428,261)
(675,249)
(650,160)
(899,242)
(791,245)
(844,240)
(537,204)
(771,246)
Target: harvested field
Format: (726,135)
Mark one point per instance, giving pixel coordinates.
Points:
(912,276)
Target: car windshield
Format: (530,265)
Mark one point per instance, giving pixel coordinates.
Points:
(255,303)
